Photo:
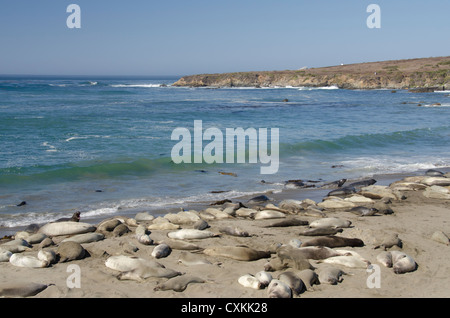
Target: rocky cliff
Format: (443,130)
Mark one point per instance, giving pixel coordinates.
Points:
(416,74)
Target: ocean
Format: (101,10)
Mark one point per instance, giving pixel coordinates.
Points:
(102,145)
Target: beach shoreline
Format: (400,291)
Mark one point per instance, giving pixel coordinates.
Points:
(415,218)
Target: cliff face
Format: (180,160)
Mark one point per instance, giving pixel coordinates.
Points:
(426,73)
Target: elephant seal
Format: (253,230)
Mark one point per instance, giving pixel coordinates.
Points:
(19,289)
(362,183)
(69,251)
(190,259)
(181,245)
(75,218)
(85,238)
(390,241)
(290,221)
(239,253)
(278,264)
(331,222)
(400,261)
(200,225)
(309,252)
(48,256)
(268,214)
(334,241)
(27,261)
(319,231)
(138,269)
(330,275)
(32,228)
(161,250)
(348,190)
(120,230)
(363,211)
(5,255)
(434,173)
(279,289)
(264,278)
(309,278)
(259,199)
(186,234)
(347,260)
(338,183)
(179,283)
(16,246)
(233,231)
(66,228)
(250,281)
(108,226)
(293,281)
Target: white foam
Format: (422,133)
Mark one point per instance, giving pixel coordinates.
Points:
(306,88)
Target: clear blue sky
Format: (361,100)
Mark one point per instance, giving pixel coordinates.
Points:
(181,37)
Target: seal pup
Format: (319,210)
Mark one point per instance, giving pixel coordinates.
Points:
(179,283)
(363,183)
(85,238)
(334,241)
(330,275)
(259,199)
(21,289)
(400,261)
(309,278)
(331,222)
(69,251)
(240,253)
(347,260)
(264,278)
(161,250)
(27,261)
(190,259)
(289,221)
(293,281)
(5,255)
(320,231)
(250,281)
(363,211)
(186,234)
(233,231)
(279,289)
(347,190)
(310,252)
(48,256)
(390,241)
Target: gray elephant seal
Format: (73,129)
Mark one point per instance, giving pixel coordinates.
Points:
(330,275)
(240,253)
(363,211)
(347,190)
(233,231)
(69,251)
(293,281)
(309,278)
(161,250)
(319,231)
(334,241)
(310,252)
(279,289)
(363,183)
(390,241)
(16,289)
(190,259)
(434,173)
(277,264)
(179,283)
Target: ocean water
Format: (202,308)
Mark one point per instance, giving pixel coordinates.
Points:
(102,145)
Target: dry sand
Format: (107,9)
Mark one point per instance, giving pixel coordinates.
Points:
(415,219)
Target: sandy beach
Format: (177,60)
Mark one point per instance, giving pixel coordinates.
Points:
(415,218)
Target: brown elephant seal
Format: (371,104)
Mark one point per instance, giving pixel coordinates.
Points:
(290,221)
(240,253)
(120,230)
(108,225)
(309,252)
(334,241)
(21,289)
(293,281)
(390,241)
(233,231)
(319,231)
(179,283)
(75,218)
(277,264)
(309,278)
(69,251)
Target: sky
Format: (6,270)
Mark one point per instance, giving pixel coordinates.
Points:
(183,37)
